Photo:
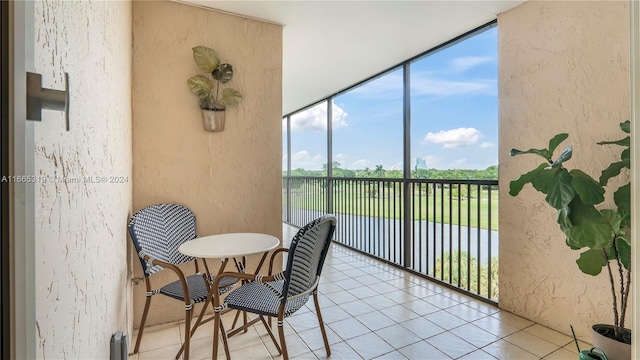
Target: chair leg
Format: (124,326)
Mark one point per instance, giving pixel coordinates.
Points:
(273,338)
(283,343)
(324,333)
(218,328)
(147,303)
(225,341)
(187,333)
(216,334)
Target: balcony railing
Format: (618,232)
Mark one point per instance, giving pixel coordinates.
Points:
(446,230)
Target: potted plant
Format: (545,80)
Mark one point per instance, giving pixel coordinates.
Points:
(602,234)
(212,103)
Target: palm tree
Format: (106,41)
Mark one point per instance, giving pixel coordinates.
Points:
(379,171)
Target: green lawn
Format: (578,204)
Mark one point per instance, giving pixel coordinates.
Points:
(377,202)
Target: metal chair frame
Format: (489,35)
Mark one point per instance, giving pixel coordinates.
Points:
(285,277)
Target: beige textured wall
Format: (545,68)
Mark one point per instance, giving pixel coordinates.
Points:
(231,179)
(81,242)
(564,67)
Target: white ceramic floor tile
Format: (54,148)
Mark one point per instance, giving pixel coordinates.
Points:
(549,335)
(398,336)
(474,335)
(451,345)
(502,349)
(532,343)
(477,355)
(369,345)
(495,326)
(394,355)
(392,315)
(168,352)
(422,327)
(513,320)
(422,350)
(313,338)
(339,351)
(561,354)
(166,336)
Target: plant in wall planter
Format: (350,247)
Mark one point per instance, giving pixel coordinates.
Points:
(213,102)
(601,234)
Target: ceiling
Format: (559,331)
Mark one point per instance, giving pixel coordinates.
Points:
(331,45)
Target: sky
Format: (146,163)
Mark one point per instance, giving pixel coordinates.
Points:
(454,115)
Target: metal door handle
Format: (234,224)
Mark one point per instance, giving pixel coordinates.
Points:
(39,98)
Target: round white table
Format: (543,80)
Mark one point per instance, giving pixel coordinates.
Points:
(225,246)
(229,245)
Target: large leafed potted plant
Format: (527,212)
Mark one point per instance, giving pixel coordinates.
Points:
(212,101)
(601,234)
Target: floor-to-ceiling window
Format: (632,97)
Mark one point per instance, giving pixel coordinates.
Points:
(407,160)
(367,127)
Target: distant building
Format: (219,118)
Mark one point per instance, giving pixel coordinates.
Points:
(421,163)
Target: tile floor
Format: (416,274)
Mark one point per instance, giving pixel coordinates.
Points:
(376,311)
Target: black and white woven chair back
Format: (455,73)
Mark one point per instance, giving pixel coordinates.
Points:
(158,231)
(307,253)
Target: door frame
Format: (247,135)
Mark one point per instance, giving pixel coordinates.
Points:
(21,194)
(5,329)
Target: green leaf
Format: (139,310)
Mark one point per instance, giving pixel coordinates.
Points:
(199,84)
(624,250)
(626,155)
(626,126)
(566,155)
(206,101)
(560,192)
(563,219)
(516,186)
(231,97)
(206,58)
(622,198)
(542,180)
(612,171)
(557,140)
(223,73)
(612,217)
(546,154)
(589,228)
(592,261)
(589,190)
(622,142)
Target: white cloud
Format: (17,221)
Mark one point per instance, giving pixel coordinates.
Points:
(455,138)
(465,63)
(340,157)
(487,145)
(302,159)
(362,164)
(432,86)
(315,119)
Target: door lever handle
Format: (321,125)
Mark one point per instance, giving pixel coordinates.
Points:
(39,98)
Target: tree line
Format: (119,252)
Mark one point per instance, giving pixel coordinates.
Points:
(490,173)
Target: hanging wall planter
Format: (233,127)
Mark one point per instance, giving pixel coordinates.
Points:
(212,101)
(213,119)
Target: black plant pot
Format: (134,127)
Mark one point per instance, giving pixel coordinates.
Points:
(615,349)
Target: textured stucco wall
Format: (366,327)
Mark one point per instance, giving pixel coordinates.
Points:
(81,243)
(231,179)
(564,67)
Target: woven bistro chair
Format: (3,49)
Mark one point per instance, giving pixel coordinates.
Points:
(282,294)
(157,231)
